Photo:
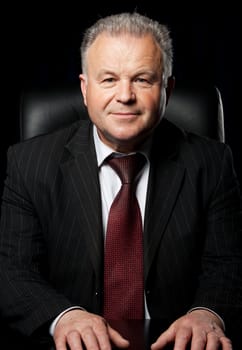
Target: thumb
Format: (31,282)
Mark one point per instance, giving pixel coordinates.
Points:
(164,339)
(117,338)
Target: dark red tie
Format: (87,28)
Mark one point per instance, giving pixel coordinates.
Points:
(123,260)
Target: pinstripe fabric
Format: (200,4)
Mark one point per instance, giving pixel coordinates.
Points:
(51,239)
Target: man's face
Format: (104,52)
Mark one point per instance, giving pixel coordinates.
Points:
(123,89)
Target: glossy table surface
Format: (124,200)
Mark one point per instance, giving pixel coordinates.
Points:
(141,335)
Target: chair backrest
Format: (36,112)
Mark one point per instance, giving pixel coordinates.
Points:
(199,110)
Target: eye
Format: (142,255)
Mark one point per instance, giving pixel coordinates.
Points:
(108,80)
(141,80)
(144,82)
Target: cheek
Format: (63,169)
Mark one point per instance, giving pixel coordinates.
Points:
(96,106)
(98,99)
(151,103)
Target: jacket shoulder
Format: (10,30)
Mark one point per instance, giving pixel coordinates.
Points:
(47,144)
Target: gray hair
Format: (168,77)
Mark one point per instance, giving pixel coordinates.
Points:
(134,24)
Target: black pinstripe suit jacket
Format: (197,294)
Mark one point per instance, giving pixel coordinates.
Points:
(51,242)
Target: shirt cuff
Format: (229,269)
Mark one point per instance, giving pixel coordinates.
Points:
(53,324)
(207,309)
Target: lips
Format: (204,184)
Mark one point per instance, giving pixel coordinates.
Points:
(124,112)
(124,115)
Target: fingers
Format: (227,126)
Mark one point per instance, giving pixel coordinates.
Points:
(183,337)
(78,329)
(97,339)
(204,340)
(200,333)
(226,343)
(211,341)
(75,340)
(180,337)
(201,341)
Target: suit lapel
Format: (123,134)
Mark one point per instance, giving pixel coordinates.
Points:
(79,167)
(165,181)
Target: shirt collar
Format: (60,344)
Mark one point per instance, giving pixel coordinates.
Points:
(103,151)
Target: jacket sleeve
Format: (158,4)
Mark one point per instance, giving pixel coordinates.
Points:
(27,301)
(220,283)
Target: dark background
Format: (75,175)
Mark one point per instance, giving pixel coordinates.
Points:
(40,47)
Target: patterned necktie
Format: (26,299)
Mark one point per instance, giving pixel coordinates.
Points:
(123,261)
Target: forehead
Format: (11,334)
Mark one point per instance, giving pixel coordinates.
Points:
(124,47)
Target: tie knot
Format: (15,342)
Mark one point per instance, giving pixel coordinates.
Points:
(127,167)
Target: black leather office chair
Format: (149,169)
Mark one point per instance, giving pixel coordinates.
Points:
(199,110)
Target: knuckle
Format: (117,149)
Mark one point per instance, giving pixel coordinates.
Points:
(72,334)
(184,335)
(226,340)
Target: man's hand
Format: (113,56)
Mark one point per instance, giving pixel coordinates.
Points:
(78,327)
(200,328)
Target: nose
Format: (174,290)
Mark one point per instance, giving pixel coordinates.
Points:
(125,92)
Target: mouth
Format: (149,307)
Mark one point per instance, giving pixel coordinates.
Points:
(124,115)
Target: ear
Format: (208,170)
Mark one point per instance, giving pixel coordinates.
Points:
(170,87)
(83,85)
